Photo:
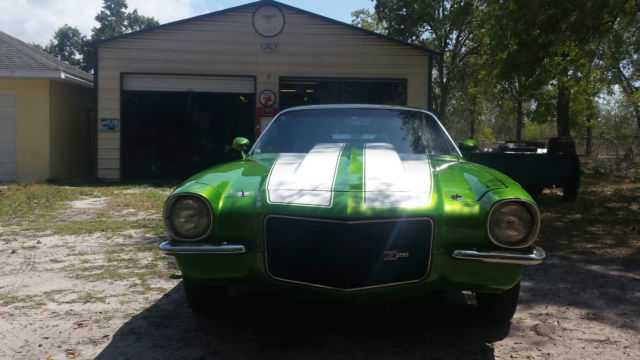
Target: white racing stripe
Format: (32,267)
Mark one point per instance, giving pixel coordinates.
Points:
(305,179)
(390,181)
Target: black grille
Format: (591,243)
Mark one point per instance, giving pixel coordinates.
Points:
(347,255)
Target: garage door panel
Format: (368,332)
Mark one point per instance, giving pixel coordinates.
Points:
(181,83)
(8,135)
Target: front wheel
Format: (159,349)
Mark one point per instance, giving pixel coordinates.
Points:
(499,307)
(204,298)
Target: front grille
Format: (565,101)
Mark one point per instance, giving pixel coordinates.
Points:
(347,255)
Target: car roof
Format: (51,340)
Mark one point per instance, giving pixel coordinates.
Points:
(353,106)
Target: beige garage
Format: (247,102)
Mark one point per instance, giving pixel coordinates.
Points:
(171,98)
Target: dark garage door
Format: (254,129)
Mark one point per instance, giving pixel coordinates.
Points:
(169,136)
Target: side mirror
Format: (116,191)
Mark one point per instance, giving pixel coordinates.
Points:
(241,144)
(468,146)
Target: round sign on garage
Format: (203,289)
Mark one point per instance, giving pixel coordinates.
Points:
(268,20)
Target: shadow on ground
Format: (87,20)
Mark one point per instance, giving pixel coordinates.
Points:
(258,325)
(266,326)
(606,294)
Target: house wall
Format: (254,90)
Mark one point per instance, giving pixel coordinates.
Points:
(70,135)
(228,44)
(32,97)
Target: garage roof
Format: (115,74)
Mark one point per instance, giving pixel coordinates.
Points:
(263,2)
(21,60)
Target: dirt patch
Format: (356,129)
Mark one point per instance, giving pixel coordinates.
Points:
(89,203)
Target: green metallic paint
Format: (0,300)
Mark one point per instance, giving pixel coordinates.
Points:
(241,144)
(468,145)
(236,192)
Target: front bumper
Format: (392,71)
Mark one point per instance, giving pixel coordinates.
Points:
(506,257)
(171,248)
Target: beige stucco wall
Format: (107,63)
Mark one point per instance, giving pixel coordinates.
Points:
(32,98)
(70,135)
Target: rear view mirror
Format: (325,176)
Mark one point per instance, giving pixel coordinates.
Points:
(468,145)
(241,144)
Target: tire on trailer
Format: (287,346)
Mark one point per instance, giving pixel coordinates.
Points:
(536,192)
(204,298)
(570,193)
(571,189)
(498,307)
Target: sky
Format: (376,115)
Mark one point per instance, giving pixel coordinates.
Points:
(35,21)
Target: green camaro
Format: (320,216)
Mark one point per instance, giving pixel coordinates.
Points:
(353,200)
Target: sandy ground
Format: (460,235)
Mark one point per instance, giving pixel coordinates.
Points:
(568,310)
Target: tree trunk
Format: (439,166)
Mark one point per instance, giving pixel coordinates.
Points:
(472,127)
(442,83)
(563,109)
(588,147)
(442,106)
(519,124)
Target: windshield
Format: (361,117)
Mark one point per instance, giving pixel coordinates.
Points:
(408,131)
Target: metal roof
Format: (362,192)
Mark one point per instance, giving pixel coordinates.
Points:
(272,2)
(21,60)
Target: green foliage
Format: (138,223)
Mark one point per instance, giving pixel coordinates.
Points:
(515,66)
(113,20)
(67,45)
(367,20)
(70,45)
(447,26)
(620,54)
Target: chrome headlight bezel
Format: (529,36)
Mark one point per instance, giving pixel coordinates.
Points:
(168,206)
(535,228)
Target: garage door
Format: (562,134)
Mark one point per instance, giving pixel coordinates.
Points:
(182,83)
(8,135)
(176,125)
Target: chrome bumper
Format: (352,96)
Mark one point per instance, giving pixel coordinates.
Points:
(184,248)
(507,257)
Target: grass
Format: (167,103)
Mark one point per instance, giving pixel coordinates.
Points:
(25,302)
(88,298)
(46,208)
(136,263)
(20,201)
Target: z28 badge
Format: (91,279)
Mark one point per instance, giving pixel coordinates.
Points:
(394,255)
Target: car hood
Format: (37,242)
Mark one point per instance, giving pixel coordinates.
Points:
(373,176)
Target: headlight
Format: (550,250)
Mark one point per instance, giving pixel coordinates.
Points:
(187,217)
(514,223)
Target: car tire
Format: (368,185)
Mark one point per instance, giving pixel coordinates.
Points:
(204,298)
(498,307)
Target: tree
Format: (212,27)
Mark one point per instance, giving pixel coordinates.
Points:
(367,20)
(620,54)
(447,26)
(137,22)
(67,45)
(113,20)
(556,39)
